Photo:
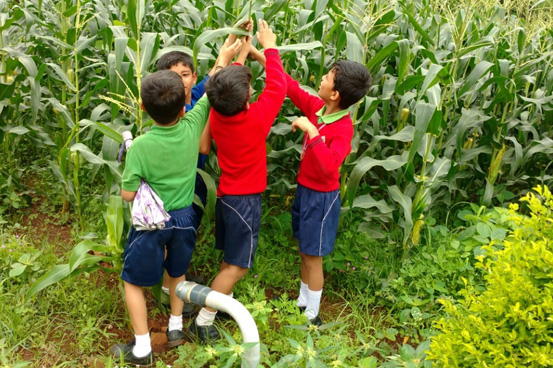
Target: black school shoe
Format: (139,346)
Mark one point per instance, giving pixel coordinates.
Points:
(124,353)
(189,310)
(206,334)
(195,278)
(315,321)
(223,316)
(175,338)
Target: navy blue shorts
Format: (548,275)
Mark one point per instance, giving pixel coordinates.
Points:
(237,220)
(315,217)
(143,258)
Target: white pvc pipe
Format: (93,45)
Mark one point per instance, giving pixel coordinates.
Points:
(204,296)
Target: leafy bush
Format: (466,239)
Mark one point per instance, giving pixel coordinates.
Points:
(510,323)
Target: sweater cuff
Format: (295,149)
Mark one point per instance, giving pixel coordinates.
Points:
(315,141)
(268,52)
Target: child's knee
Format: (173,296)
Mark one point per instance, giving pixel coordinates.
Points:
(236,271)
(311,261)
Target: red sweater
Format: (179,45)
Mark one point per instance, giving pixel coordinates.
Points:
(320,166)
(240,138)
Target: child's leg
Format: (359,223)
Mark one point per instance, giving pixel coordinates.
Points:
(138,312)
(228,276)
(176,302)
(313,266)
(224,282)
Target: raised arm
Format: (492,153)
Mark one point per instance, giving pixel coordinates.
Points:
(270,100)
(205,140)
(226,54)
(306,102)
(245,50)
(257,55)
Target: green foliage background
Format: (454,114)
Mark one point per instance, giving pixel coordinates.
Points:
(459,119)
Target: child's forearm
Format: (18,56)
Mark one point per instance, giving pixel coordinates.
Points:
(205,140)
(258,56)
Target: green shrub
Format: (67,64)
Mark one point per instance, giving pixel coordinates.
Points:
(510,323)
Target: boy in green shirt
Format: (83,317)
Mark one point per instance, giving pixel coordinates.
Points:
(166,158)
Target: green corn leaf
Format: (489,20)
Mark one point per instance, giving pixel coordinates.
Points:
(149,44)
(274,8)
(211,35)
(55,274)
(474,77)
(59,72)
(424,114)
(80,256)
(135,14)
(94,159)
(109,132)
(299,47)
(19,130)
(381,55)
(416,25)
(431,78)
(367,163)
(211,192)
(354,50)
(114,222)
(409,83)
(366,202)
(404,59)
(405,135)
(406,204)
(83,43)
(519,154)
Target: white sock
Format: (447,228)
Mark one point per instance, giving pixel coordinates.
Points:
(142,345)
(175,323)
(205,317)
(313,303)
(165,290)
(302,298)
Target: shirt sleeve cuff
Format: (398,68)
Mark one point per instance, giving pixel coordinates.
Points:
(315,141)
(270,51)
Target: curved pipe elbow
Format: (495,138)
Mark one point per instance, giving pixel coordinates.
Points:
(204,296)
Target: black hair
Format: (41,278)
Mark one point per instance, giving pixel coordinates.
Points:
(173,58)
(352,80)
(163,96)
(228,90)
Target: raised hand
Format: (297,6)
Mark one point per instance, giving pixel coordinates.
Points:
(228,52)
(265,35)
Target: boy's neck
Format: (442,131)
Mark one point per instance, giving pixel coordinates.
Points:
(188,99)
(331,107)
(166,125)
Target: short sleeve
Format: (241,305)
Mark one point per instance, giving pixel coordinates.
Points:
(132,173)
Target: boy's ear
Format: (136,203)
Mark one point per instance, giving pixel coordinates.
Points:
(335,96)
(142,107)
(195,77)
(181,112)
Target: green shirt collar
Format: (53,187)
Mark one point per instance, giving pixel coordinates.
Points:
(330,118)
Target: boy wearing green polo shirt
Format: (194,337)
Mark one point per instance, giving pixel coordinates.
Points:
(328,132)
(165,158)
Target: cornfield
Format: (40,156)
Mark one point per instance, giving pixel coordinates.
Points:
(461,108)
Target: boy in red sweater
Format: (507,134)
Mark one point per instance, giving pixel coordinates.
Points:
(240,130)
(328,132)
